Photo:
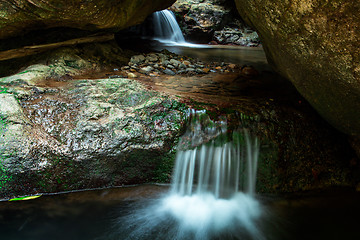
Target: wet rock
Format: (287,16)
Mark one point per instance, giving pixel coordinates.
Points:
(169,72)
(300,40)
(95,129)
(190,70)
(132,75)
(165,63)
(146,70)
(182,66)
(152,57)
(249,71)
(186,63)
(175,63)
(138,59)
(214,22)
(170,66)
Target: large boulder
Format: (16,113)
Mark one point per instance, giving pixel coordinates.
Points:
(17,17)
(316,45)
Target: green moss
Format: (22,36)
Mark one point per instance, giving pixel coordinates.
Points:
(5,177)
(3,89)
(163,171)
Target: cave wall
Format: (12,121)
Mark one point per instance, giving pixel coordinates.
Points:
(21,16)
(315,44)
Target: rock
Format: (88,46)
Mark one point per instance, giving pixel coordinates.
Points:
(170,66)
(316,45)
(152,57)
(182,66)
(186,63)
(200,18)
(169,72)
(97,14)
(146,70)
(249,71)
(175,63)
(89,134)
(190,70)
(232,66)
(165,63)
(137,59)
(200,71)
(206,70)
(132,75)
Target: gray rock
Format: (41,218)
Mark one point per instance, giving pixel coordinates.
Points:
(152,57)
(175,63)
(182,66)
(170,66)
(146,70)
(169,72)
(200,71)
(165,63)
(137,59)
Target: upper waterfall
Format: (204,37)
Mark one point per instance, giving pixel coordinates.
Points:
(166,27)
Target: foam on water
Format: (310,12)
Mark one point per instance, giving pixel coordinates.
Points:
(212,194)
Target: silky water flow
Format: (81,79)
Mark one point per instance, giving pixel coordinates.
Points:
(166,27)
(212,194)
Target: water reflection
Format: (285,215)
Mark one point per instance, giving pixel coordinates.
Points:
(234,54)
(96,214)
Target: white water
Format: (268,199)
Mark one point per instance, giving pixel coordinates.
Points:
(212,194)
(168,32)
(214,184)
(166,27)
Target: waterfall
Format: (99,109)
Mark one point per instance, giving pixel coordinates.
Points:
(212,194)
(166,27)
(213,187)
(219,168)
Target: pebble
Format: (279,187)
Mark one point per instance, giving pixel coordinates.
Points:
(249,71)
(170,66)
(154,64)
(152,58)
(187,63)
(131,75)
(165,63)
(146,70)
(175,63)
(182,65)
(137,59)
(169,72)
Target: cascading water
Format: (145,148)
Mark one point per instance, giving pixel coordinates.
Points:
(212,192)
(166,28)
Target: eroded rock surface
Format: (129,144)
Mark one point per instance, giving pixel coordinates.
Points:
(17,17)
(316,45)
(58,135)
(215,21)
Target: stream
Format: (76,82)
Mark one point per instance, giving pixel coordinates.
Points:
(213,193)
(96,214)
